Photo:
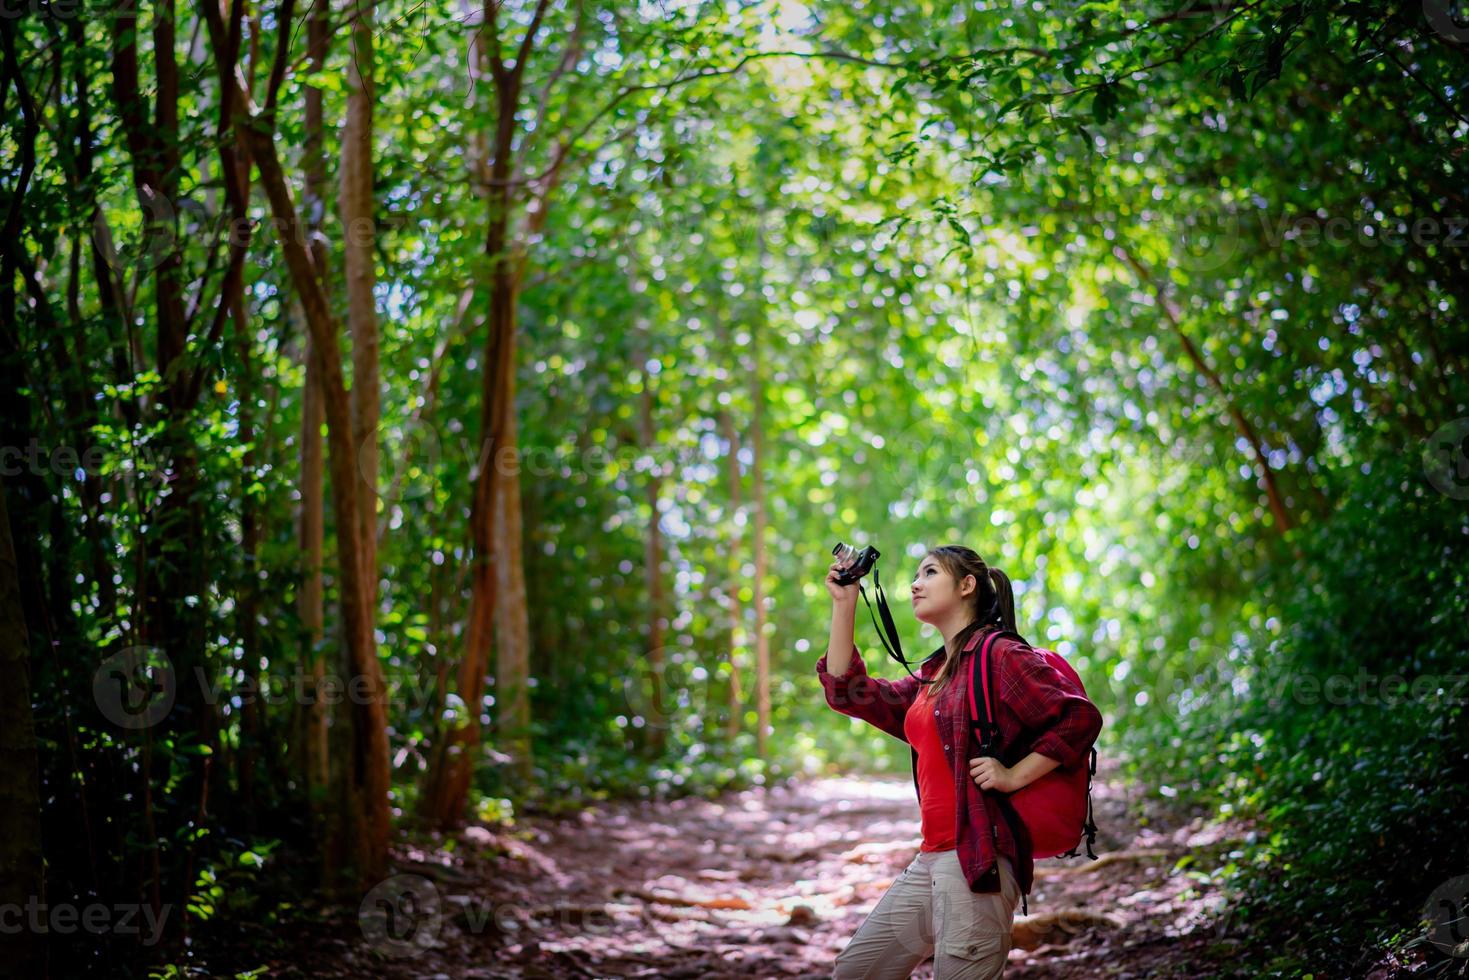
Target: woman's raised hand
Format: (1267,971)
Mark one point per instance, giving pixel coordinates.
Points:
(840,593)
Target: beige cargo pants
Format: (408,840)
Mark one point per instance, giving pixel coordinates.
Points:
(930,911)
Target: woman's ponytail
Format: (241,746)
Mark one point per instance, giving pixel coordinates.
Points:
(1005,598)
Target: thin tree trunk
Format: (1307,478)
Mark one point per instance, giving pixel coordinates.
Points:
(174,583)
(737,638)
(371,765)
(357,248)
(512,618)
(251,723)
(21,877)
(311,602)
(497,574)
(660,705)
(452,765)
(252,726)
(358,234)
(757,486)
(498,595)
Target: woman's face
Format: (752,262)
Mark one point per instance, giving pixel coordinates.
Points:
(935,593)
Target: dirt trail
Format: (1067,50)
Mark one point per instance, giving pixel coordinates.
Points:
(770,883)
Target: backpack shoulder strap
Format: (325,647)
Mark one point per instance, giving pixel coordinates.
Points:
(984,728)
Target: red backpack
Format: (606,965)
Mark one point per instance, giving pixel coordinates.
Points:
(1056,809)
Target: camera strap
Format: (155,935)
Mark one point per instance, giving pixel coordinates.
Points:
(888,630)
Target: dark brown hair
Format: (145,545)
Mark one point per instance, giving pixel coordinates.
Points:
(992,604)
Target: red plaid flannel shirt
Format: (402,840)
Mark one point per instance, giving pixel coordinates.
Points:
(1034,709)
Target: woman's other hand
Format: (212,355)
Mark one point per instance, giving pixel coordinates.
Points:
(840,593)
(990,773)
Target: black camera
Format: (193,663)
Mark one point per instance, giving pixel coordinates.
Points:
(859,563)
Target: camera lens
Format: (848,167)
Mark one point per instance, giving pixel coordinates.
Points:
(844,553)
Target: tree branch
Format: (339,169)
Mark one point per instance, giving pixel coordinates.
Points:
(1283,521)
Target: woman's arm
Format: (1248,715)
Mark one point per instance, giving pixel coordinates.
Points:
(843,675)
(843,635)
(850,689)
(881,703)
(991,773)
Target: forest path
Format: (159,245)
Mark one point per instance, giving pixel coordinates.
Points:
(773,883)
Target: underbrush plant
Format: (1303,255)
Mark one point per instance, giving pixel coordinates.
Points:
(1350,747)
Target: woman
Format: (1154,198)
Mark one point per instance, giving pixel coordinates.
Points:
(956,900)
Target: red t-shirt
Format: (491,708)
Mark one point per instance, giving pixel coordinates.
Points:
(937,807)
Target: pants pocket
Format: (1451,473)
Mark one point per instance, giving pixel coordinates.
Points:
(976,948)
(978,957)
(973,928)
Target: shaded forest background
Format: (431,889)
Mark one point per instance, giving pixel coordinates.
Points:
(422,414)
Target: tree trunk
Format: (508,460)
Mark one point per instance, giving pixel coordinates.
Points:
(310,603)
(497,573)
(359,233)
(251,723)
(736,547)
(512,619)
(174,587)
(446,789)
(757,488)
(735,702)
(21,878)
(659,713)
(762,642)
(370,763)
